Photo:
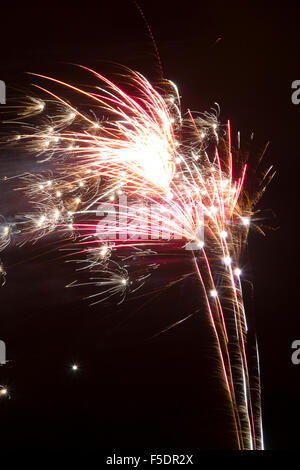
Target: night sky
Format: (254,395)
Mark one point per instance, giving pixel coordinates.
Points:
(134,388)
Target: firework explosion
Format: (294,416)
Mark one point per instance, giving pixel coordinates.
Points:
(130,174)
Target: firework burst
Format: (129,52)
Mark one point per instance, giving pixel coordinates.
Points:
(133,175)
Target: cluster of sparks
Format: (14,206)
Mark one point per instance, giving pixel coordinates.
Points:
(131,151)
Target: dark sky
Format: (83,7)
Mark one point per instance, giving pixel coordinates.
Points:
(131,391)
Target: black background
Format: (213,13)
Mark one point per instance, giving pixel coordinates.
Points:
(133,391)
